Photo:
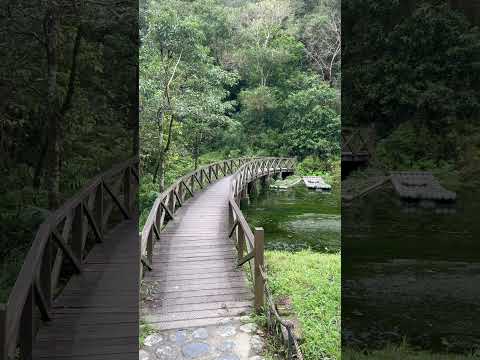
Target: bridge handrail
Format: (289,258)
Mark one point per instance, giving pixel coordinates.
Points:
(246,170)
(36,284)
(170,200)
(243,237)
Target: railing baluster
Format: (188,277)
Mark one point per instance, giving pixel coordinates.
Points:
(259,248)
(240,241)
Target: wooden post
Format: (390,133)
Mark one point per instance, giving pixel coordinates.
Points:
(259,262)
(78,230)
(3,333)
(99,208)
(26,335)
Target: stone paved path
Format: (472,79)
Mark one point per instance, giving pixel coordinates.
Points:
(232,340)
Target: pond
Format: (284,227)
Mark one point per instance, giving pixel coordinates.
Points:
(410,272)
(297,218)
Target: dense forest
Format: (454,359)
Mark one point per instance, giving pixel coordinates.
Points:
(411,68)
(223,79)
(68,109)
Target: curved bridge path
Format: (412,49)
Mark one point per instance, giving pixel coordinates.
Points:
(76,296)
(196,294)
(196,298)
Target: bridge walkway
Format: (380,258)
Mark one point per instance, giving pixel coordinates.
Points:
(96,315)
(195,281)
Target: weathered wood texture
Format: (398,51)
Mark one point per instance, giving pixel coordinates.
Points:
(195,280)
(96,315)
(195,277)
(60,247)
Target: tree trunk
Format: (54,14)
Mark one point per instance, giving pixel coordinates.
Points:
(53,147)
(160,167)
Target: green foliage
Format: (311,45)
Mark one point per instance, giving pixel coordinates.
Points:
(95,127)
(329,169)
(312,282)
(402,352)
(145,330)
(312,125)
(424,81)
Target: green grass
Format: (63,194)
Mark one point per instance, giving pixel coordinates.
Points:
(403,352)
(312,282)
(145,330)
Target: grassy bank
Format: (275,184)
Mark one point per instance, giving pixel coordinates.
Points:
(311,281)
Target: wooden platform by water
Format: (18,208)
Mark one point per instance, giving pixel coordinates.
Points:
(316,182)
(420,185)
(195,281)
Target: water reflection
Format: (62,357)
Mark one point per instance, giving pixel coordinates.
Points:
(411,271)
(297,218)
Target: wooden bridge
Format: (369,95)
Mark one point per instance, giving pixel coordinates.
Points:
(196,278)
(358,144)
(358,148)
(77,294)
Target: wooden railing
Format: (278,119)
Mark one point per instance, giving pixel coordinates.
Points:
(241,232)
(244,171)
(169,201)
(253,243)
(105,202)
(358,141)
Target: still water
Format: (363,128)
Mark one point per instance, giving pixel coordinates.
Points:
(297,218)
(411,272)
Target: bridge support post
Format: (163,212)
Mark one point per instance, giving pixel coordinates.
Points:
(259,263)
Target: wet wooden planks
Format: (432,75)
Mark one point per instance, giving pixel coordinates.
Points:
(96,316)
(195,280)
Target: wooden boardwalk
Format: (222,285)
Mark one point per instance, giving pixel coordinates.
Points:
(96,315)
(195,281)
